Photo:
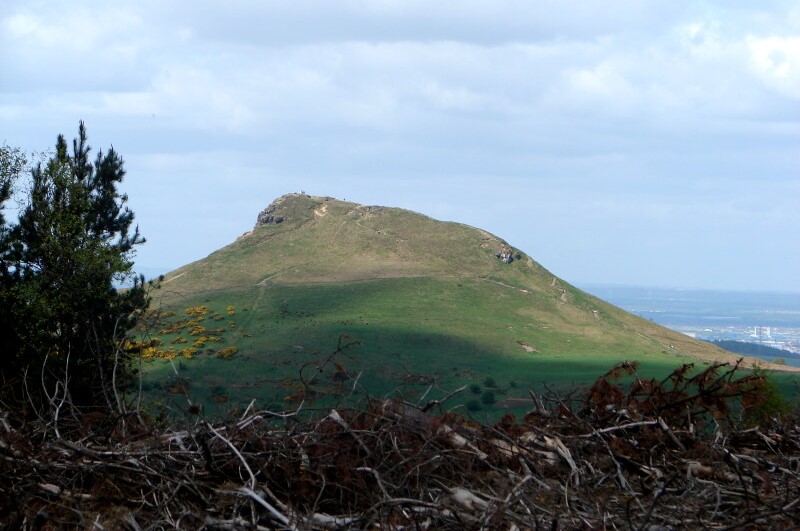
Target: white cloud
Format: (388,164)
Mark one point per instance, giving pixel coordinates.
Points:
(202,98)
(604,88)
(701,38)
(776,62)
(75,30)
(392,84)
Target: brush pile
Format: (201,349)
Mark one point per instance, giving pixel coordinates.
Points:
(646,455)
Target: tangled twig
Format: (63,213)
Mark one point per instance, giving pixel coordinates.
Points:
(623,460)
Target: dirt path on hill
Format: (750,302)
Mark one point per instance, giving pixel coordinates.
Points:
(521,290)
(175,277)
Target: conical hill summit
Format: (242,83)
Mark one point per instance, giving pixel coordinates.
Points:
(420,301)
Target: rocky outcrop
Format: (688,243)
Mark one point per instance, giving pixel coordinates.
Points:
(366,211)
(292,207)
(266,219)
(274,213)
(267,216)
(507,255)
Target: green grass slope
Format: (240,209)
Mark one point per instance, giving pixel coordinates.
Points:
(426,303)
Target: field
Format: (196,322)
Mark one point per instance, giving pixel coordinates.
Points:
(405,337)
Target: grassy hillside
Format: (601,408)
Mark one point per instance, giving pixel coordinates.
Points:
(425,304)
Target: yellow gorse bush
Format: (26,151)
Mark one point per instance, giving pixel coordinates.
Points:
(227,352)
(197,330)
(188,352)
(152,348)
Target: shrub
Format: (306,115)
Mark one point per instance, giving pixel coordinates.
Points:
(189,352)
(475,388)
(227,352)
(721,393)
(488,397)
(764,400)
(489,382)
(197,330)
(473,405)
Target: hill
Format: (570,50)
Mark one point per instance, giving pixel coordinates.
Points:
(422,305)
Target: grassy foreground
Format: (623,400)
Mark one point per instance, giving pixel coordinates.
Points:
(406,336)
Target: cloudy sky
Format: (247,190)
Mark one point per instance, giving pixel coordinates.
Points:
(627,142)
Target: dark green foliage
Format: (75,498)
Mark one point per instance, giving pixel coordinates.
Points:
(488,398)
(770,402)
(753,349)
(12,164)
(474,388)
(63,317)
(473,405)
(489,382)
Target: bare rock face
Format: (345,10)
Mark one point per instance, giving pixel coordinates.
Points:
(265,219)
(292,207)
(507,255)
(276,212)
(266,216)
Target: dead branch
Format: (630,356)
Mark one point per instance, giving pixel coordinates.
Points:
(391,465)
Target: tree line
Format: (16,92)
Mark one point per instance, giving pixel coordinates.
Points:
(62,260)
(753,349)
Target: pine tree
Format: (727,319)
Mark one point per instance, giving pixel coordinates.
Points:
(12,164)
(71,249)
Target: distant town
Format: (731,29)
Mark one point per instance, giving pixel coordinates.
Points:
(766,319)
(768,336)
